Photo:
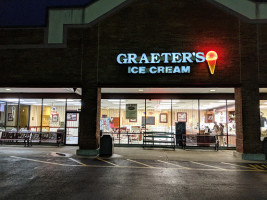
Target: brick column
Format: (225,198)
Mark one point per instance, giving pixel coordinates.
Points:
(247,97)
(247,120)
(89,135)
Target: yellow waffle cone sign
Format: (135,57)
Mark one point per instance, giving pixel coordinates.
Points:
(211,58)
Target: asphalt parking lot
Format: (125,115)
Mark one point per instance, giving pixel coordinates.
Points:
(51,175)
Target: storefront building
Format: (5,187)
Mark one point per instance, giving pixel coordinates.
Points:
(151,56)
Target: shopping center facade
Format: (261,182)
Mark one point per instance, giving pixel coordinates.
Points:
(151,56)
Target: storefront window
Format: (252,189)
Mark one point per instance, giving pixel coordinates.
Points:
(30,114)
(213,118)
(158,115)
(2,115)
(231,123)
(53,117)
(132,120)
(186,111)
(263,118)
(128,119)
(12,114)
(110,118)
(74,104)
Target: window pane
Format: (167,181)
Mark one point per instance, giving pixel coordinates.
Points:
(231,123)
(213,119)
(158,115)
(2,115)
(263,121)
(109,117)
(132,116)
(53,114)
(186,111)
(30,114)
(74,104)
(12,114)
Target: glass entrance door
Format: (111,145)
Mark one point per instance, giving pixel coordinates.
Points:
(72,127)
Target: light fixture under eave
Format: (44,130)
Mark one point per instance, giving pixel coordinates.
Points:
(141,90)
(212,90)
(8,89)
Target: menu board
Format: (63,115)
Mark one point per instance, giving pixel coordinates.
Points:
(131,111)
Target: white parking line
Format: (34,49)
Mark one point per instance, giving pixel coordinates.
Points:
(77,161)
(107,162)
(51,163)
(174,164)
(208,165)
(140,163)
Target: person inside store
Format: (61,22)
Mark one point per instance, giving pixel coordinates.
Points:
(221,137)
(263,120)
(216,128)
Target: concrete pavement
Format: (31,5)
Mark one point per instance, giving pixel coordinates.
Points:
(132,173)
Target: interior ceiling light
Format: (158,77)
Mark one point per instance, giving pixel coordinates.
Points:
(111,100)
(141,90)
(8,89)
(212,90)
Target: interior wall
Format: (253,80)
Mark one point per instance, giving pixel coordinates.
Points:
(13,122)
(24,116)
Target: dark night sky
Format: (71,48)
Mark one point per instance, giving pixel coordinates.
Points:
(15,13)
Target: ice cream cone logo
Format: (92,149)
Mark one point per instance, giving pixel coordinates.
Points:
(211,58)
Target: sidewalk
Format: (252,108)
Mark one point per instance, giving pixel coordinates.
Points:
(130,153)
(178,154)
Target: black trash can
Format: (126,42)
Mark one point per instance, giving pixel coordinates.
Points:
(265,146)
(106,145)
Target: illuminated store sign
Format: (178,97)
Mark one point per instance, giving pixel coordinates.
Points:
(170,63)
(211,58)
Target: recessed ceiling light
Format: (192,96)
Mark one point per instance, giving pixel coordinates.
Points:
(8,89)
(116,100)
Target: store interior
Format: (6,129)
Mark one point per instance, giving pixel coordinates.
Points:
(45,115)
(161,115)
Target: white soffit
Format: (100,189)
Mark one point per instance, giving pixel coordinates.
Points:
(167,90)
(40,90)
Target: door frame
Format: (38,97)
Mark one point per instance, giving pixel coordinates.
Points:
(65,137)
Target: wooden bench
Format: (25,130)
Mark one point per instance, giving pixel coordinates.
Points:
(200,140)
